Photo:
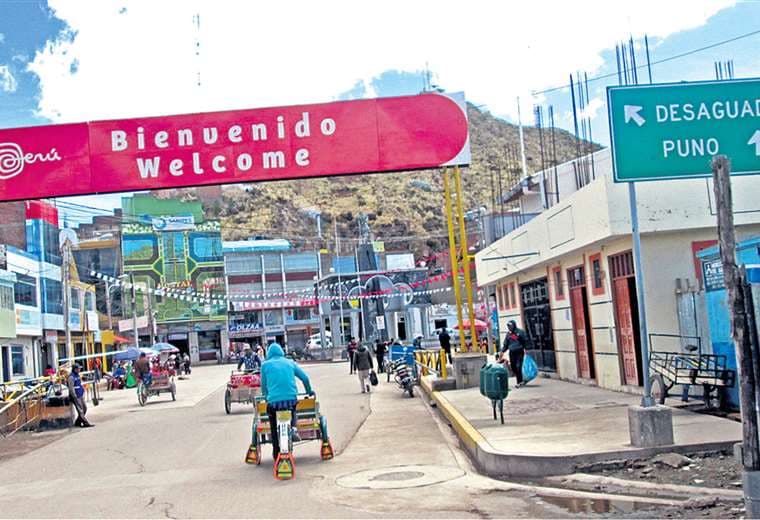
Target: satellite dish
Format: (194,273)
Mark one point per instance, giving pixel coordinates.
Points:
(68,234)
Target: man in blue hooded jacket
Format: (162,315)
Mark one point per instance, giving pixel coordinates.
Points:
(278,385)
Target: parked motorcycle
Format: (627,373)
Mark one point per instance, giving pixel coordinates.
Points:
(402,375)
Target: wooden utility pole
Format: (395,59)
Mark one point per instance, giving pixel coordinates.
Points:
(741,332)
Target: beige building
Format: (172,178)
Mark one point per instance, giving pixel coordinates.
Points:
(569,279)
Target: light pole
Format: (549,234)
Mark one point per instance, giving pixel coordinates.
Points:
(131,282)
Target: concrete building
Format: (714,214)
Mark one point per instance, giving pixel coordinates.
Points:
(13,361)
(567,274)
(168,245)
(401,311)
(39,337)
(271,292)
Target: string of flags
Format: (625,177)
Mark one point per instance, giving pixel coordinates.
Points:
(307,295)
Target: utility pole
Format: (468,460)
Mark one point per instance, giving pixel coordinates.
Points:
(340,283)
(318,279)
(66,279)
(743,335)
(453,256)
(465,256)
(135,331)
(151,322)
(522,141)
(363,328)
(109,310)
(284,299)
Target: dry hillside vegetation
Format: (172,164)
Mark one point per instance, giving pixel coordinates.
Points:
(399,205)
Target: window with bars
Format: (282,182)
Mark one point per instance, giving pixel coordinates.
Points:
(559,289)
(576,277)
(597,275)
(621,265)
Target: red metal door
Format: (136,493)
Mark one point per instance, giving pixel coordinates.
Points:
(624,318)
(579,331)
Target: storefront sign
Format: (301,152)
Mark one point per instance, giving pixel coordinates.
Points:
(346,137)
(237,330)
(180,223)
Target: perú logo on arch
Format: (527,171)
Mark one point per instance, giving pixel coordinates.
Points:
(13,159)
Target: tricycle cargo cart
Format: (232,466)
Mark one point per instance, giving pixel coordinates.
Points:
(691,367)
(310,424)
(243,387)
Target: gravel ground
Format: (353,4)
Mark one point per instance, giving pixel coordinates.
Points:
(717,470)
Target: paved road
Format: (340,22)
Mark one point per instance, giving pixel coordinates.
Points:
(185,459)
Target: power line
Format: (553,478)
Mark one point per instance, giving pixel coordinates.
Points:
(657,62)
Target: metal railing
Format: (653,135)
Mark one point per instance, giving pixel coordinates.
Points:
(23,410)
(431,361)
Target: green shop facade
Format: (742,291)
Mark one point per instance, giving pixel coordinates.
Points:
(174,257)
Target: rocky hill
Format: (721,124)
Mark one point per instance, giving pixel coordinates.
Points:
(404,209)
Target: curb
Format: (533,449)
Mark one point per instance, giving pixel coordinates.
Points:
(495,463)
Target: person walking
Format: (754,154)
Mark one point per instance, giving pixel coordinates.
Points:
(515,344)
(352,346)
(363,363)
(444,339)
(76,396)
(380,355)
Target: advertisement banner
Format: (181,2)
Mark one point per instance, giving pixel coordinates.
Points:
(346,137)
(178,223)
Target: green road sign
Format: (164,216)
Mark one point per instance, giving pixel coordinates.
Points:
(671,131)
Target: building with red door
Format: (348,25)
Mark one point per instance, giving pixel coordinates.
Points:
(567,276)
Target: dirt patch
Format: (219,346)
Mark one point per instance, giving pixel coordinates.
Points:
(716,470)
(22,442)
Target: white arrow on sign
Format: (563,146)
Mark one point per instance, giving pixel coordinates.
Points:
(755,139)
(632,113)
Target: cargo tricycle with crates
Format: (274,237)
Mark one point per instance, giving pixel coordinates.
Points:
(243,387)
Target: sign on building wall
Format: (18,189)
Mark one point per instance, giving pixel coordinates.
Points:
(179,223)
(712,274)
(671,131)
(346,137)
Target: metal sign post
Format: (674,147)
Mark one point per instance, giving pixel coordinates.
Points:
(646,399)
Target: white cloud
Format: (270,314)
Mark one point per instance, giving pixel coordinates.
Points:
(143,62)
(2,38)
(7,81)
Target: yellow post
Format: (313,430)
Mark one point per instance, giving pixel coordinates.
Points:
(454,262)
(465,257)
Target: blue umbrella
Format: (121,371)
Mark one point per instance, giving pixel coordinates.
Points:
(129,354)
(133,353)
(165,347)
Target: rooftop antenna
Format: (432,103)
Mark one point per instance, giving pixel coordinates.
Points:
(649,63)
(197,42)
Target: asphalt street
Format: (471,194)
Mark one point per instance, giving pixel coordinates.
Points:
(185,459)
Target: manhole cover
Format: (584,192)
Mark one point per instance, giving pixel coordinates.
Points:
(399,477)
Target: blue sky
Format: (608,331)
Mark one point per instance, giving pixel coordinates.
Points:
(73,61)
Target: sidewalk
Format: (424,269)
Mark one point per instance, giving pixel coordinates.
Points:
(553,427)
(204,380)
